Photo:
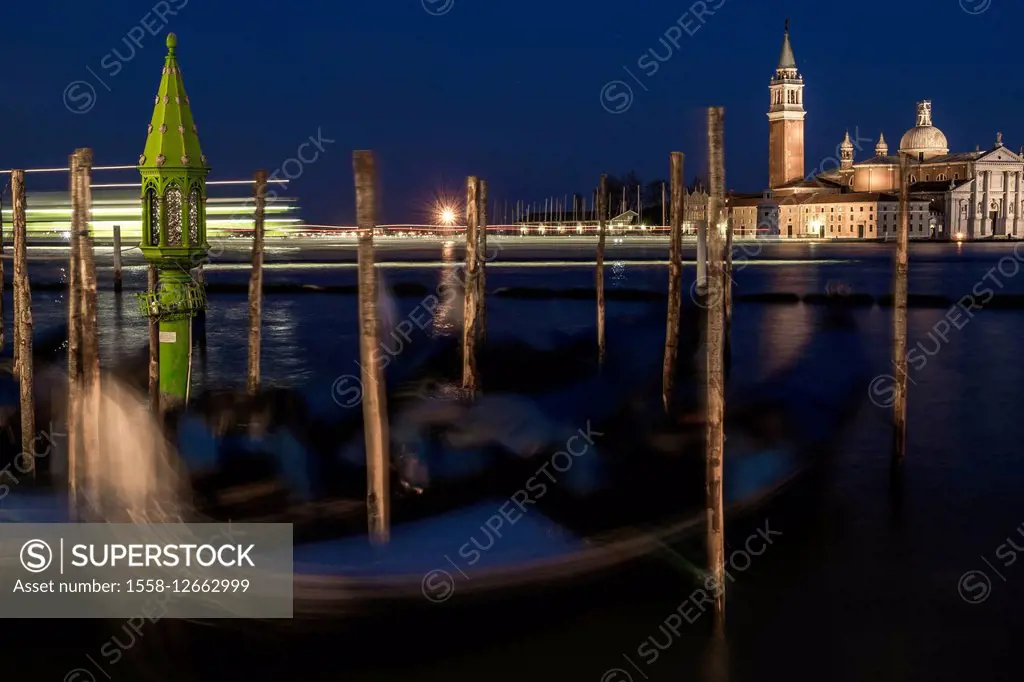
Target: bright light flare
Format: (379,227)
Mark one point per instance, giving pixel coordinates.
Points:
(445,213)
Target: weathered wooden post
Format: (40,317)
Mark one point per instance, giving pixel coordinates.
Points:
(23,323)
(470,310)
(899,319)
(715,421)
(256,283)
(727,280)
(702,251)
(74,402)
(90,392)
(375,424)
(154,341)
(481,273)
(602,198)
(675,273)
(15,300)
(117,258)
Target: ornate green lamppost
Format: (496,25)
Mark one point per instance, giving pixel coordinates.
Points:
(174,172)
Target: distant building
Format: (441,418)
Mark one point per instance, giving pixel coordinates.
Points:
(972,195)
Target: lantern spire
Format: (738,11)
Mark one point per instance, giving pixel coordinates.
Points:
(173,171)
(172,140)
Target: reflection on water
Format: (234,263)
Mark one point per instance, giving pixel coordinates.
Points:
(781,332)
(448,316)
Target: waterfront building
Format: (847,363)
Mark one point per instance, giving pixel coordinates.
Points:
(968,195)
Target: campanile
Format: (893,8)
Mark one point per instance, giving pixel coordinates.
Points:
(786,120)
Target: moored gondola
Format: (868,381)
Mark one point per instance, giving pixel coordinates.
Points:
(508,491)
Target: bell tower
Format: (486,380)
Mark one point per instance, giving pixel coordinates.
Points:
(786,120)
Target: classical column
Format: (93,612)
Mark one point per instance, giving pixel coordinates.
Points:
(948,228)
(972,209)
(1016,203)
(1004,213)
(986,227)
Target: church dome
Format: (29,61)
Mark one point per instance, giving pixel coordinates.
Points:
(924,138)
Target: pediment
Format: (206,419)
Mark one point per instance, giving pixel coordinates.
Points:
(999,154)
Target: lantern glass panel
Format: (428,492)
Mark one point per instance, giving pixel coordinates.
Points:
(193,217)
(173,216)
(153,211)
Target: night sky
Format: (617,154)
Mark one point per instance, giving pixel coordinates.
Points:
(508,90)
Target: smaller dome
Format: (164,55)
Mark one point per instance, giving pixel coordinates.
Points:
(847,143)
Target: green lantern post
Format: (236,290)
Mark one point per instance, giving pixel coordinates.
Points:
(174,172)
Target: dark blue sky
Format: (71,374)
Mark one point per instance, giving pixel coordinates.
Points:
(508,90)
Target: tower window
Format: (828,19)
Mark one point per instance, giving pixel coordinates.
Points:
(942,176)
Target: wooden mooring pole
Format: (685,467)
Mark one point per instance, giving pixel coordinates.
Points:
(602,198)
(899,320)
(256,283)
(378,502)
(23,323)
(675,274)
(90,395)
(702,250)
(153,277)
(117,258)
(15,301)
(727,281)
(715,421)
(472,290)
(73,409)
(481,259)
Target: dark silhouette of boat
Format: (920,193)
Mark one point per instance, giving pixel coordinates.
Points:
(490,488)
(512,489)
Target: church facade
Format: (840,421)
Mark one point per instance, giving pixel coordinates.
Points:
(953,195)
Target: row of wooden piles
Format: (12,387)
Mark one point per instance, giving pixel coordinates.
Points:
(716,306)
(714,277)
(83,350)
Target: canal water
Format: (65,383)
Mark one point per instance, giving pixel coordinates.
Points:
(867,577)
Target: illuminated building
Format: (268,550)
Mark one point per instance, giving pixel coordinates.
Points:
(977,194)
(786,120)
